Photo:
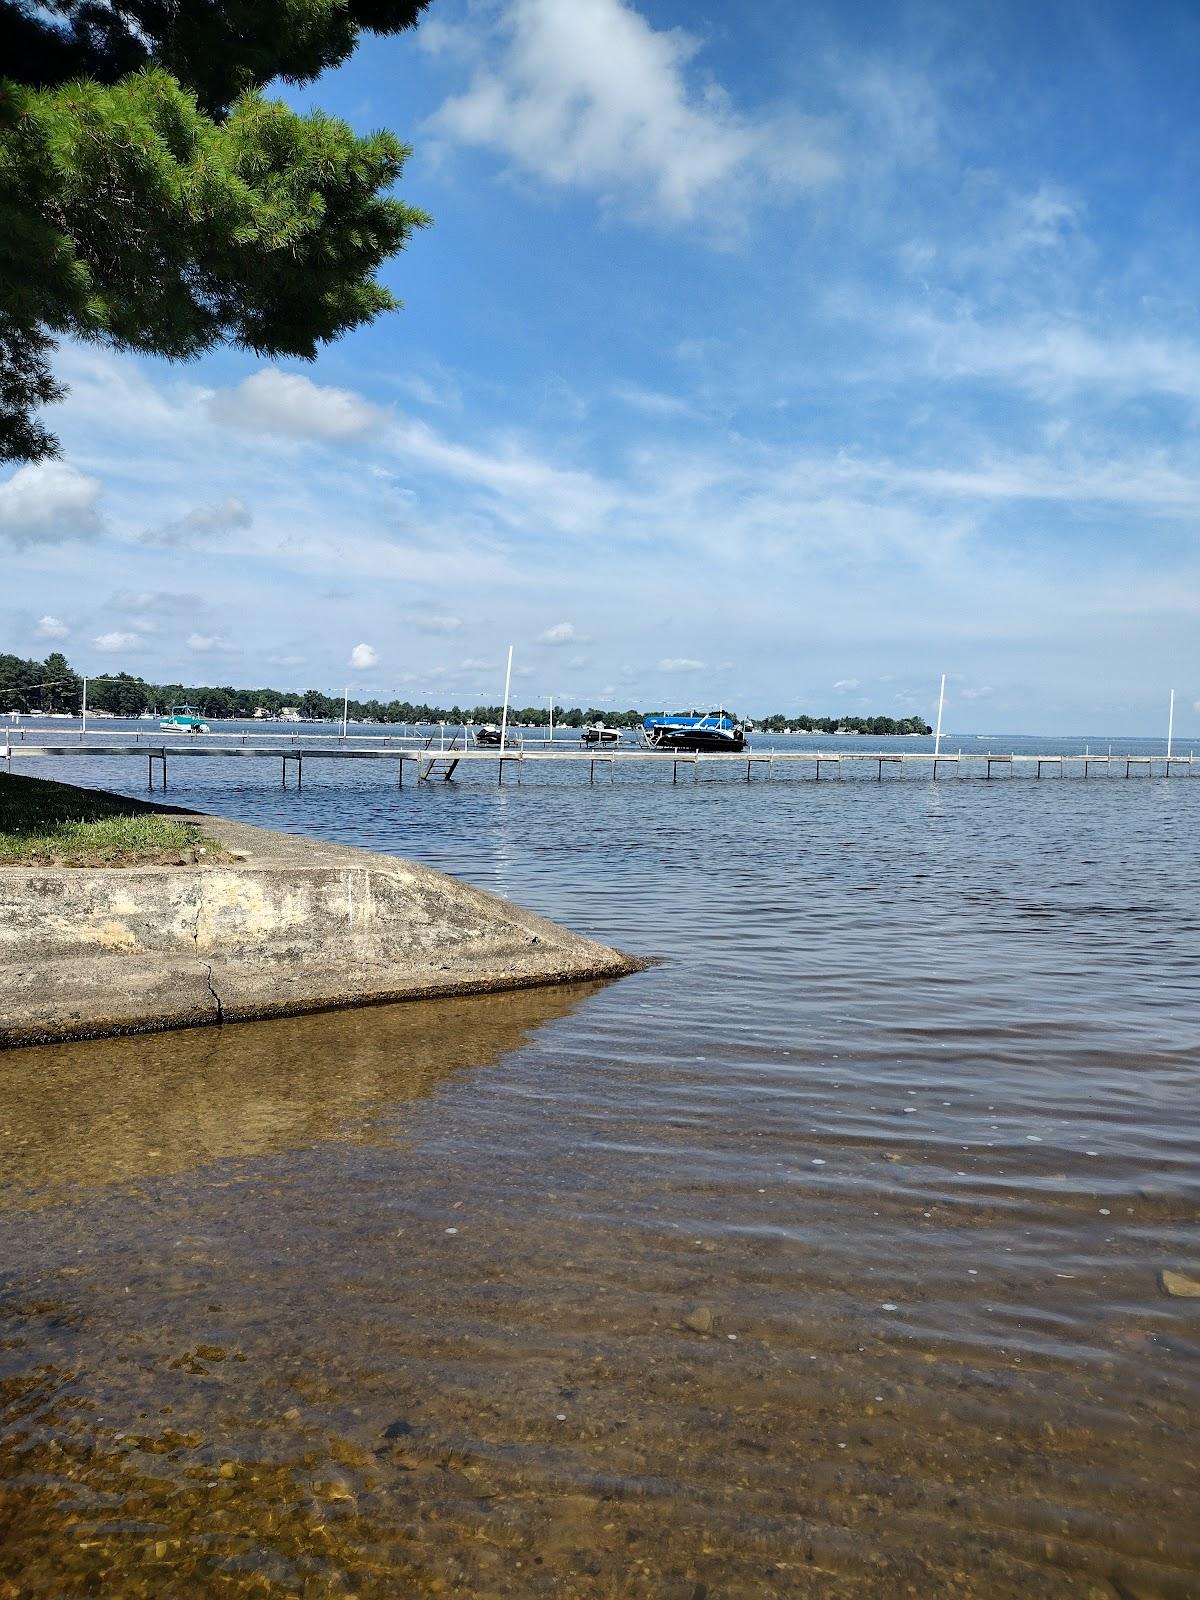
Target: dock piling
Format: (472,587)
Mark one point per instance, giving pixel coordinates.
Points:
(14,750)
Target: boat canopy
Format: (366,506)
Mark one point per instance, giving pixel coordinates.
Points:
(690,719)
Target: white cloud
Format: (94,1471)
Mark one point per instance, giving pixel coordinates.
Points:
(201,526)
(995,233)
(117,641)
(363,657)
(439,388)
(471,664)
(651,401)
(898,110)
(426,622)
(560,633)
(1055,357)
(985,693)
(586,93)
(1043,220)
(846,683)
(46,502)
(430,675)
(522,487)
(167,612)
(286,402)
(681,664)
(208,644)
(51,628)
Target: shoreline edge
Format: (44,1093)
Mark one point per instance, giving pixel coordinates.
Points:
(288,924)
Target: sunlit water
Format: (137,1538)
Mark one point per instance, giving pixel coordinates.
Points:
(821,1259)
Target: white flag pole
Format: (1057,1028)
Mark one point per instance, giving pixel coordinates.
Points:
(504,718)
(937,738)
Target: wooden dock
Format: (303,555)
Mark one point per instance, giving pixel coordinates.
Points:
(428,762)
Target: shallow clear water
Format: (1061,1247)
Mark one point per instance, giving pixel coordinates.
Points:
(820,1259)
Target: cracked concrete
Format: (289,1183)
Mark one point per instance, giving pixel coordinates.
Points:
(290,924)
(220,1008)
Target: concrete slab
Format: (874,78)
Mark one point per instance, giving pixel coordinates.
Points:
(289,925)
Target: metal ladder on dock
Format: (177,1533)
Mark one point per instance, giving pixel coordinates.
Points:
(444,759)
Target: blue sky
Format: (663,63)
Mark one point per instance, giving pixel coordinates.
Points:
(785,356)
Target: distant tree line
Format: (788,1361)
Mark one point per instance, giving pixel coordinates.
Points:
(806,724)
(53,685)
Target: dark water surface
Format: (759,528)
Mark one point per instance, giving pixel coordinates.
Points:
(820,1260)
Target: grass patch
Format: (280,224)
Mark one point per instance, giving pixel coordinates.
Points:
(53,824)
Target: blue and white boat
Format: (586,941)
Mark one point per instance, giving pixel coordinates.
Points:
(184,719)
(693,730)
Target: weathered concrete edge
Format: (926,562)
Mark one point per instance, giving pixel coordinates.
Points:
(13,1037)
(491,945)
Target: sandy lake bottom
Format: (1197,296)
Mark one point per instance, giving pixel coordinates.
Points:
(821,1259)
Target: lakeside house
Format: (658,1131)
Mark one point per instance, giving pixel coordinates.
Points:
(284,714)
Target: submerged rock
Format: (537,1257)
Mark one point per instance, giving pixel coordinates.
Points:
(1179,1285)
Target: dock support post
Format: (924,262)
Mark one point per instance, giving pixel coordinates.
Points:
(881,769)
(591,772)
(300,771)
(674,772)
(1127,769)
(818,769)
(400,773)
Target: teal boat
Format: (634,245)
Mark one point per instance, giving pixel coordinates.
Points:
(184,719)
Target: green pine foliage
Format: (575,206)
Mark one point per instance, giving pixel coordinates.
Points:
(153,199)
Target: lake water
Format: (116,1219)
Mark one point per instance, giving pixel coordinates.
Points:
(821,1259)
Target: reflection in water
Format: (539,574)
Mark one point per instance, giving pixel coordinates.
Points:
(820,1261)
(107,1110)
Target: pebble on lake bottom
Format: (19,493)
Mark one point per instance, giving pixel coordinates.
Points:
(1180,1285)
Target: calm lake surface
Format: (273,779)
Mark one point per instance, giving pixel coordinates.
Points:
(820,1259)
